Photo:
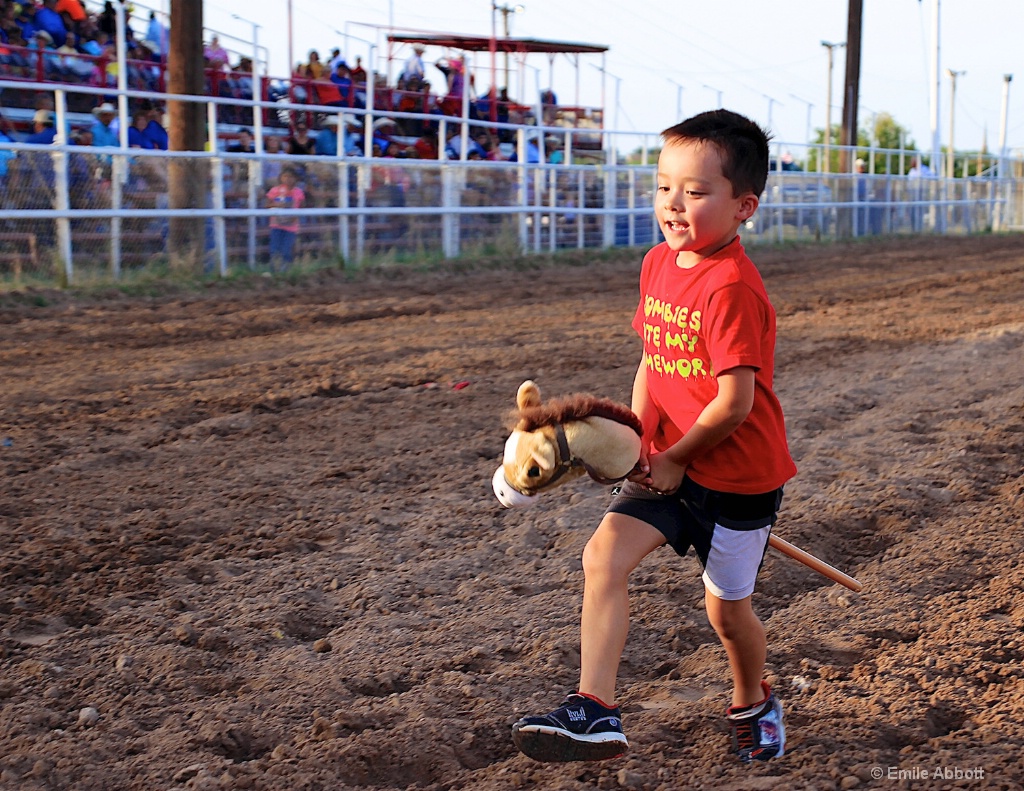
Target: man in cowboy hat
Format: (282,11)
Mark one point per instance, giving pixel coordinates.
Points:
(102,133)
(414,65)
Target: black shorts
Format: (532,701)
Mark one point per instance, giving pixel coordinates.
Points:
(729,532)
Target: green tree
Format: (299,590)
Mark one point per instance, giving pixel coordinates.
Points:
(887,134)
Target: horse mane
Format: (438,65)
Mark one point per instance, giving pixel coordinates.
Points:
(574,407)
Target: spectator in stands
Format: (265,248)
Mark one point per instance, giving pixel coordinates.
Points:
(354,136)
(487,143)
(553,143)
(411,97)
(215,54)
(314,70)
(343,79)
(336,58)
(154,130)
(5,157)
(44,128)
(82,169)
(271,167)
(414,65)
(299,142)
(532,150)
(452,69)
(48,19)
(244,144)
(426,145)
(74,67)
(137,131)
(108,19)
(327,138)
(92,41)
(453,148)
(284,229)
(358,73)
(73,13)
(157,35)
(102,132)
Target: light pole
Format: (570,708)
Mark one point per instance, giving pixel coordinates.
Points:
(771,101)
(810,106)
(291,54)
(1003,119)
(950,155)
(828,106)
(715,91)
(505,10)
(257,87)
(679,99)
(936,77)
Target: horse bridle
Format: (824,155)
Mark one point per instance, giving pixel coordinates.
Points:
(569,462)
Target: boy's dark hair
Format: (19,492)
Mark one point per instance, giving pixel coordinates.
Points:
(742,143)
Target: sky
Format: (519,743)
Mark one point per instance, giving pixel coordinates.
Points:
(667,61)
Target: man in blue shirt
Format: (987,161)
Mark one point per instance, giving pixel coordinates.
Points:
(45,129)
(102,132)
(49,20)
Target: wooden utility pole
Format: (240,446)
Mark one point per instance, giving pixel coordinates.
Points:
(851,96)
(851,92)
(187,178)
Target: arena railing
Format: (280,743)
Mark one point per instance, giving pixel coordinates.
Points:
(75,214)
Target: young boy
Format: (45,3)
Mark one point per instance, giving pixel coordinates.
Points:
(284,229)
(714,456)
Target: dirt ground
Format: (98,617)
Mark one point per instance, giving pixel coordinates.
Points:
(247,537)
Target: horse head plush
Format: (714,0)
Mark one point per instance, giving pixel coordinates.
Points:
(562,440)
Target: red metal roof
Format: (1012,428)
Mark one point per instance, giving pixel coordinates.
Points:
(483,43)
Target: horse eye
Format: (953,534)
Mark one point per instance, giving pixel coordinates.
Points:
(533,472)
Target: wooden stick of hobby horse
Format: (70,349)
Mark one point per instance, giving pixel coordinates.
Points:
(819,566)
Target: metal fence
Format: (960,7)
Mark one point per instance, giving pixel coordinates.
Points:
(74,214)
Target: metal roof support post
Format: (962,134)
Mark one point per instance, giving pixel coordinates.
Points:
(217,192)
(61,198)
(343,202)
(524,239)
(464,131)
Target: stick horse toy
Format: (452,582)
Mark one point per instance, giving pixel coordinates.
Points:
(566,438)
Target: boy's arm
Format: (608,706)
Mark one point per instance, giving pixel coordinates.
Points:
(723,415)
(644,409)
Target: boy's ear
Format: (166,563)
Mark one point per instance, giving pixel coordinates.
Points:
(748,205)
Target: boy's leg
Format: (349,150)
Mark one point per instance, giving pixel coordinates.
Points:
(616,548)
(743,638)
(732,558)
(587,726)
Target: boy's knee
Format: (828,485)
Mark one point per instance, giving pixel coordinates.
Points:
(600,561)
(729,619)
(596,558)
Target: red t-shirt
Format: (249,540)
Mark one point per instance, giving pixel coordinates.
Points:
(695,323)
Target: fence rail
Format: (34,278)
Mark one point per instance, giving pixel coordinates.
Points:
(73,213)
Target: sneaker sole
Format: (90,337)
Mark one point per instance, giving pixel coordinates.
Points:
(553,746)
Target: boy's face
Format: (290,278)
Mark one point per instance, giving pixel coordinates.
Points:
(695,205)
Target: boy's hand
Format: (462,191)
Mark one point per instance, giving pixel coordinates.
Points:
(664,475)
(639,473)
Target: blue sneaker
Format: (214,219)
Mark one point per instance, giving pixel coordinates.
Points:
(581,729)
(757,731)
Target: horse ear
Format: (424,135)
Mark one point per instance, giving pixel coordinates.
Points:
(528,395)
